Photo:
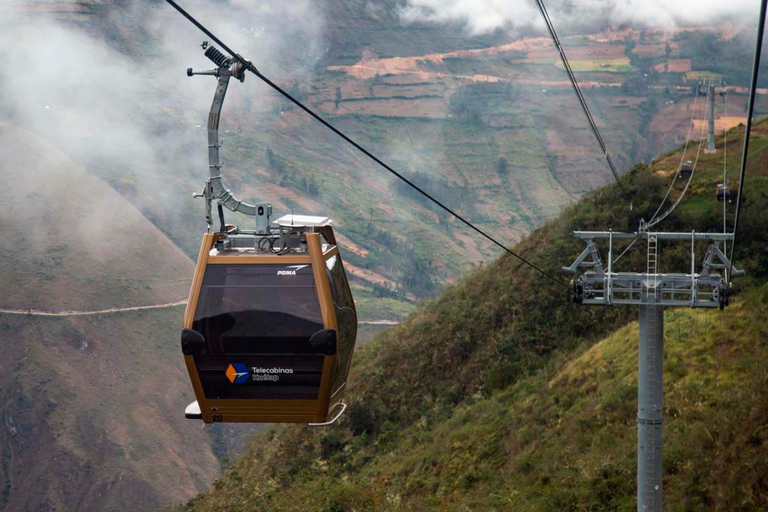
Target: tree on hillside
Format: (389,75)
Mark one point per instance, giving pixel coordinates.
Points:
(502,166)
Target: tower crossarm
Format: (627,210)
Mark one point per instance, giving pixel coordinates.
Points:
(589,257)
(707,288)
(716,259)
(660,235)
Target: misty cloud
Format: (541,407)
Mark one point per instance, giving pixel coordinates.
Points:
(481,16)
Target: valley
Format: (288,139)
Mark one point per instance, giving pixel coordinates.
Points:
(103,142)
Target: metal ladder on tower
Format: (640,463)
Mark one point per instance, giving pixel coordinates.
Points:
(653,256)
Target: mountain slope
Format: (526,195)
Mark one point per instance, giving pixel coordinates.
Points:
(502,394)
(72,242)
(91,405)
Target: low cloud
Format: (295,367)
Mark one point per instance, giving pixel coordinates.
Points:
(482,16)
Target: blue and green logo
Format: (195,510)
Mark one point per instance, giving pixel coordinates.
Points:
(237,373)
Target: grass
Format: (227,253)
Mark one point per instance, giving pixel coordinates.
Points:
(621,65)
(560,439)
(699,75)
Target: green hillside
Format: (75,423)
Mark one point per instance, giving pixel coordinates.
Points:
(501,394)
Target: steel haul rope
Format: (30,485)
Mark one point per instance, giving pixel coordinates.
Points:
(748,129)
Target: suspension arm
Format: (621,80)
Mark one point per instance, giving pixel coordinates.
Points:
(219,192)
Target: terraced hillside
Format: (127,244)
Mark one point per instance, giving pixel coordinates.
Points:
(91,406)
(503,395)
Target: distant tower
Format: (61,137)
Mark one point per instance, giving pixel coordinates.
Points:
(711,119)
(710,89)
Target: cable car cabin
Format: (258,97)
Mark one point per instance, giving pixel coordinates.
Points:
(723,192)
(686,169)
(268,335)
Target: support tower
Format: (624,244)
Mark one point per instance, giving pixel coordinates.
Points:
(651,292)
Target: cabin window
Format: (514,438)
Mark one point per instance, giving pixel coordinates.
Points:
(258,309)
(346,319)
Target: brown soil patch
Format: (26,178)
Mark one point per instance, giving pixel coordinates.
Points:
(369,68)
(470,242)
(348,245)
(431,108)
(588,52)
(674,66)
(368,275)
(721,123)
(309,206)
(652,50)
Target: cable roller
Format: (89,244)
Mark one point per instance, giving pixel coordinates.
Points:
(217,57)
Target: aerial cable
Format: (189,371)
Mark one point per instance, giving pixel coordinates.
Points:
(250,67)
(748,129)
(580,96)
(655,220)
(682,158)
(725,168)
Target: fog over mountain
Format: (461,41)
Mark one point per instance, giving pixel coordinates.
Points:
(487,15)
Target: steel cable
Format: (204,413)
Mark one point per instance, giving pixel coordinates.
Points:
(580,96)
(666,214)
(725,171)
(682,158)
(748,128)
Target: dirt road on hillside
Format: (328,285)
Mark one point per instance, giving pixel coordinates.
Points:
(37,312)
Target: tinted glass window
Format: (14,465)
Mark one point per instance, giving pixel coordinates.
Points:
(247,309)
(257,321)
(346,318)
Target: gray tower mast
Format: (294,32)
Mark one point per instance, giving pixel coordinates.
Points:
(651,291)
(710,89)
(711,118)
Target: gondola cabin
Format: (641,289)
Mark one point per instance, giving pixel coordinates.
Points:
(269,331)
(686,169)
(723,192)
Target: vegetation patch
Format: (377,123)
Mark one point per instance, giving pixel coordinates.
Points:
(620,65)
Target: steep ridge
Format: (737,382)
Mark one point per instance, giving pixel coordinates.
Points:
(91,406)
(503,395)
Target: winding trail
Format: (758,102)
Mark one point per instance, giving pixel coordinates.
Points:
(37,312)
